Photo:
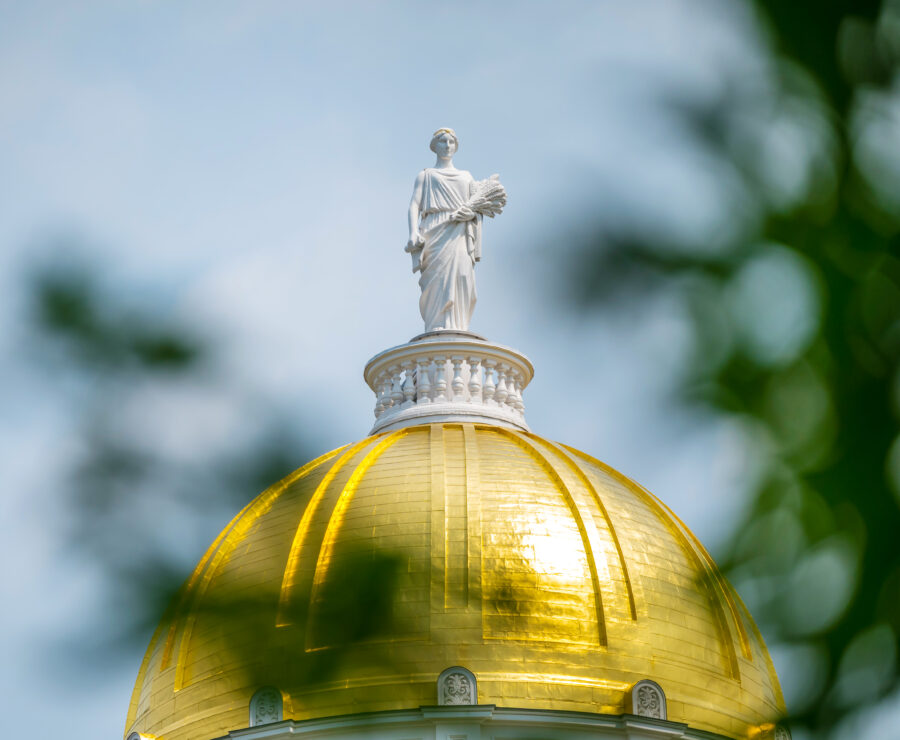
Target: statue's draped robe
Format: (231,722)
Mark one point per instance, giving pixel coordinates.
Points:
(450,251)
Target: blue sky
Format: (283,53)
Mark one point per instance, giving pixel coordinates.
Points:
(250,164)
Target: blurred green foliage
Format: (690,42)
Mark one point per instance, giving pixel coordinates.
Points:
(70,307)
(142,513)
(795,320)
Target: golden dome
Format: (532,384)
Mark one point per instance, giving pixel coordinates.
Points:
(556,580)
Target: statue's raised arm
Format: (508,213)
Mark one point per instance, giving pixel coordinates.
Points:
(445,220)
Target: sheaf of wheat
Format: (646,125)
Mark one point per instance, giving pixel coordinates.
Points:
(488,197)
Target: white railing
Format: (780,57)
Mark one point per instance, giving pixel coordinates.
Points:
(448,376)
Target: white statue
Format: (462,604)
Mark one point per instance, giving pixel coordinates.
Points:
(445,216)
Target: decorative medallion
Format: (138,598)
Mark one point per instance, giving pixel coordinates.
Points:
(648,700)
(266,706)
(457,687)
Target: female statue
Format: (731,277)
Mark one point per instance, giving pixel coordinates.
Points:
(445,216)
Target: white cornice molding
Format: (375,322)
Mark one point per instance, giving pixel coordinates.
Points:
(473,723)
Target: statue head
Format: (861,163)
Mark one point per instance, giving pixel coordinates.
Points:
(444,142)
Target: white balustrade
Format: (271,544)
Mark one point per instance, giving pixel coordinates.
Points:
(449,376)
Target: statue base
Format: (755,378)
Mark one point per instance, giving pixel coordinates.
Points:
(439,334)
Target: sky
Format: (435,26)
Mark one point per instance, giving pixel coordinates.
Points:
(247,167)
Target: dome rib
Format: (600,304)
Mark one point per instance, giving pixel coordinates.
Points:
(778,696)
(291,577)
(586,482)
(336,518)
(173,618)
(187,619)
(181,613)
(138,690)
(473,549)
(231,536)
(715,577)
(675,527)
(453,470)
(191,591)
(440,588)
(589,535)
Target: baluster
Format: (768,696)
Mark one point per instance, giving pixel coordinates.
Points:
(489,387)
(379,394)
(377,409)
(522,383)
(474,382)
(501,393)
(396,388)
(515,393)
(409,384)
(511,391)
(511,398)
(457,385)
(440,379)
(423,382)
(386,402)
(520,404)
